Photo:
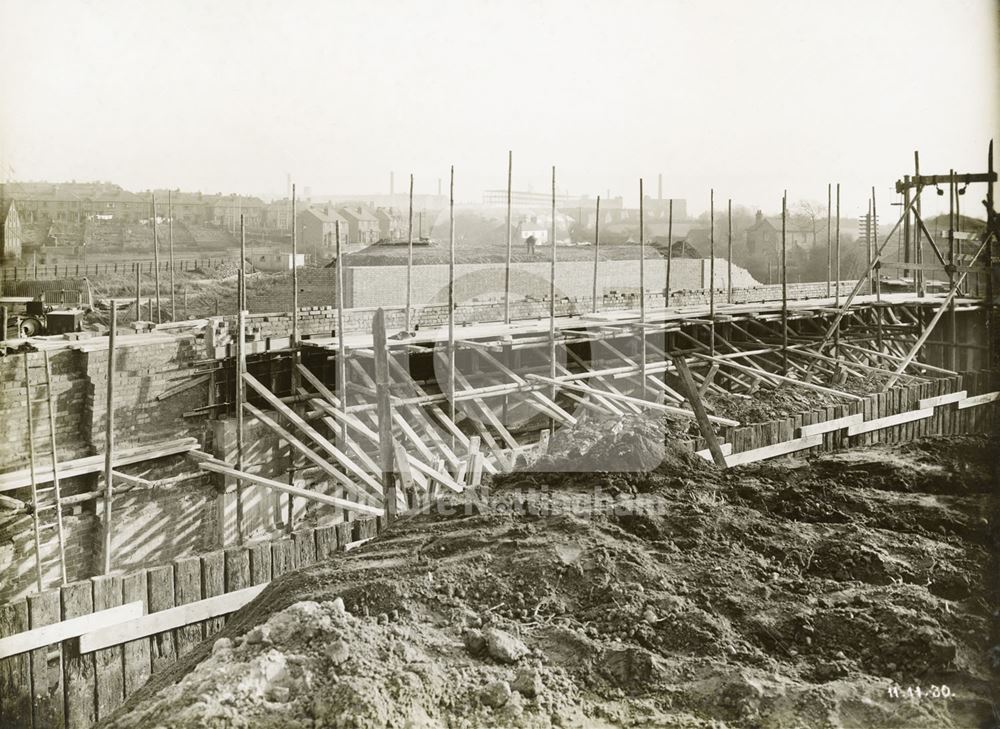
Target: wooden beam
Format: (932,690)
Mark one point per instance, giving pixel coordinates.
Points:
(322,442)
(169,619)
(385,441)
(704,425)
(783,378)
(57,632)
(225,470)
(634,400)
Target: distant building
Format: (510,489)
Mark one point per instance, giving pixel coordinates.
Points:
(227,210)
(269,259)
(393,224)
(363,227)
(316,231)
(73,202)
(764,236)
(10,232)
(278,214)
(185,207)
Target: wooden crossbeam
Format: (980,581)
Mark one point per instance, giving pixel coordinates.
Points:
(47,635)
(634,400)
(789,380)
(317,438)
(216,467)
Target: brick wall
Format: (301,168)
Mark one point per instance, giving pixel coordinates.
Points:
(317,287)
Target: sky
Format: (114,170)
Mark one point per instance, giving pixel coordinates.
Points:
(748,98)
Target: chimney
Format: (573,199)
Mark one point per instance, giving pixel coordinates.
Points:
(760,216)
(659,186)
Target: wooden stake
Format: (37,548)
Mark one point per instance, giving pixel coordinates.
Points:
(109,442)
(156,266)
(597,249)
(409,261)
(243,264)
(31,470)
(506,278)
(711,258)
(876,271)
(170,254)
(385,445)
(691,391)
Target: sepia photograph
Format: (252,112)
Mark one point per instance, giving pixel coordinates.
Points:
(523,364)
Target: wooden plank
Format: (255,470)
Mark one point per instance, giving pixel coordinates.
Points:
(237,568)
(828,426)
(326,542)
(260,563)
(773,450)
(305,547)
(976,400)
(212,584)
(80,686)
(15,671)
(28,640)
(165,621)
(160,583)
(870,426)
(727,449)
(187,589)
(109,664)
(46,675)
(282,557)
(694,399)
(288,489)
(137,652)
(322,442)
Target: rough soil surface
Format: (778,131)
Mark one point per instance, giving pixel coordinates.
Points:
(793,593)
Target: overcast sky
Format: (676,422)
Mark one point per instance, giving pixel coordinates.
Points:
(748,97)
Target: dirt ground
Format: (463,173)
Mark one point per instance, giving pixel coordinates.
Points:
(793,593)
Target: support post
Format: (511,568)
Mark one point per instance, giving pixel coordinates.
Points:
(295,281)
(952,317)
(451,296)
(241,368)
(918,248)
(729,254)
(829,250)
(170,255)
(552,293)
(156,265)
(243,265)
(876,268)
(837,298)
(385,445)
(784,286)
(670,247)
(642,290)
(109,442)
(341,345)
(711,260)
(597,250)
(704,425)
(409,261)
(3,323)
(506,276)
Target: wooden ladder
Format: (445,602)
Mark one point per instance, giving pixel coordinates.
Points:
(40,505)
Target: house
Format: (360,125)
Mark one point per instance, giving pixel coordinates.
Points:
(363,227)
(227,210)
(278,213)
(393,224)
(764,236)
(316,230)
(10,232)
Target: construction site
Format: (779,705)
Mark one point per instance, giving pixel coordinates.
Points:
(646,492)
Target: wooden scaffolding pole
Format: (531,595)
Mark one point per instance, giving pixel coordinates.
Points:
(409,262)
(597,251)
(138,291)
(506,276)
(670,247)
(385,443)
(109,444)
(642,291)
(552,294)
(156,265)
(829,242)
(451,296)
(243,265)
(295,281)
(240,398)
(729,253)
(170,255)
(341,344)
(31,470)
(784,286)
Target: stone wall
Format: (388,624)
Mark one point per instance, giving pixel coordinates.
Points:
(367,286)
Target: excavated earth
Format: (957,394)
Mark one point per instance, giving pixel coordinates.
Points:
(800,592)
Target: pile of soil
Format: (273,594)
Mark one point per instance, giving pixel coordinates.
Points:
(785,594)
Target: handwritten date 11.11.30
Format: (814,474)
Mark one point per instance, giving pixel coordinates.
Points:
(932,691)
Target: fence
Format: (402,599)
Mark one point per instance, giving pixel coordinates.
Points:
(58,686)
(76,270)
